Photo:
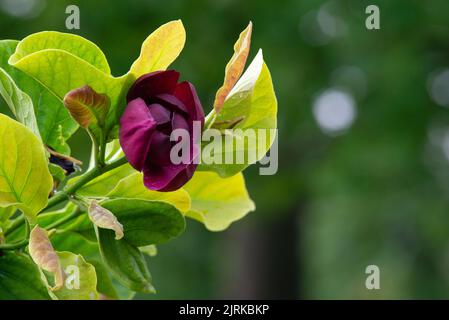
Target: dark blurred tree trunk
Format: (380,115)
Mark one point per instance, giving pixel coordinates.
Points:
(264,259)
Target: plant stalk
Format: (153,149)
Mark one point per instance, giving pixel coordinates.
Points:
(101,150)
(64,219)
(84,179)
(210,119)
(69,191)
(20,244)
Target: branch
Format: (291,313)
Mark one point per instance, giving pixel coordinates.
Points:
(68,192)
(84,179)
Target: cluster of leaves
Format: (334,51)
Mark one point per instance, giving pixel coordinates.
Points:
(108,221)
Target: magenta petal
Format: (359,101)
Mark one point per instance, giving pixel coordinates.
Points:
(136,130)
(171,102)
(186,92)
(159,113)
(160,149)
(179,122)
(169,178)
(152,84)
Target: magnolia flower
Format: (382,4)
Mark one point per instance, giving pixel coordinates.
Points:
(158,105)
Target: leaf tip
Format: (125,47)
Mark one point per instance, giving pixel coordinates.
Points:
(235,66)
(149,288)
(250,26)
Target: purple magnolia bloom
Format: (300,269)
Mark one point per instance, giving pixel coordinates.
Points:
(157,105)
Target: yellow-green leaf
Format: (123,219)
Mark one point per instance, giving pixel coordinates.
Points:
(25,181)
(235,66)
(76,45)
(160,49)
(132,187)
(102,185)
(114,151)
(251,106)
(217,202)
(80,278)
(76,243)
(18,102)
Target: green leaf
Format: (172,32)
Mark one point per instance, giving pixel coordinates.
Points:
(218,202)
(150,250)
(146,222)
(5,222)
(114,151)
(20,278)
(106,283)
(160,49)
(102,185)
(54,122)
(125,261)
(123,292)
(132,187)
(81,225)
(83,288)
(47,218)
(25,181)
(18,102)
(57,172)
(251,105)
(5,214)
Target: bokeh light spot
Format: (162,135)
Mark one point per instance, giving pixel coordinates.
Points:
(334,111)
(438,87)
(22,8)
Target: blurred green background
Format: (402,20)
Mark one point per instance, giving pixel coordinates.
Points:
(363,142)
